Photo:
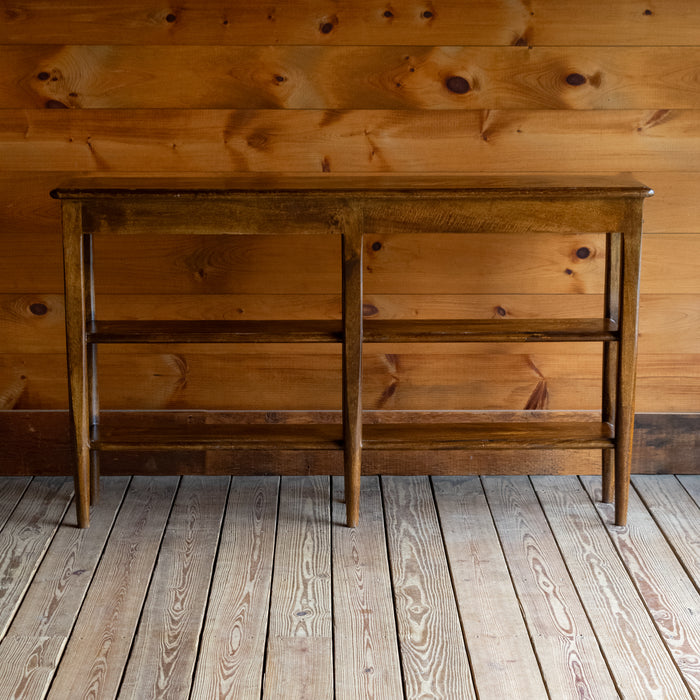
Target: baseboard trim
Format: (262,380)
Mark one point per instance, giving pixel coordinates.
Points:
(37,443)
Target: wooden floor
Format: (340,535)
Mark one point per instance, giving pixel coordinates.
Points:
(452,587)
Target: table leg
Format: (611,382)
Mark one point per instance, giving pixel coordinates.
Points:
(76,348)
(627,360)
(352,361)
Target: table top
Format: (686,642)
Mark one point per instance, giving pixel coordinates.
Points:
(368,185)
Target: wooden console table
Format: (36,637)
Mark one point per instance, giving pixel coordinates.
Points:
(350,207)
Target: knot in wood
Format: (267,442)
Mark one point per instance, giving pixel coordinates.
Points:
(575,79)
(38,309)
(457,84)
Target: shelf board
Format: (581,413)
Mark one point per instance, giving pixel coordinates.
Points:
(218,436)
(215,331)
(331,331)
(395,436)
(479,436)
(490,330)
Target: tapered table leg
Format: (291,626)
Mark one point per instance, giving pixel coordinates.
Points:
(94,406)
(610,354)
(76,348)
(352,361)
(627,359)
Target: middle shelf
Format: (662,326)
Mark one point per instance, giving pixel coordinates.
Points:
(374,331)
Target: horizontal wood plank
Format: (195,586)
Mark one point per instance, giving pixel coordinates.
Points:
(449,22)
(222,437)
(351,141)
(452,377)
(490,330)
(438,264)
(669,323)
(348,77)
(458,376)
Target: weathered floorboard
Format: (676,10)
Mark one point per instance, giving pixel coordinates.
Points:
(500,651)
(11,490)
(233,640)
(652,564)
(572,663)
(477,590)
(638,660)
(365,648)
(25,538)
(674,503)
(162,658)
(31,651)
(299,660)
(108,619)
(434,658)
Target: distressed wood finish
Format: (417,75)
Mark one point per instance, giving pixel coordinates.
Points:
(234,635)
(121,579)
(163,655)
(366,649)
(299,661)
(430,634)
(351,207)
(43,624)
(571,661)
(23,545)
(489,607)
(625,630)
(650,561)
(494,580)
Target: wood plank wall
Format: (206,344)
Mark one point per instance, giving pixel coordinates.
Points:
(341,86)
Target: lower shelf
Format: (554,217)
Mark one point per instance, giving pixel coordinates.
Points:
(394,436)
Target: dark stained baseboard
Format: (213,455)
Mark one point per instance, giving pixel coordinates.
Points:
(37,443)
